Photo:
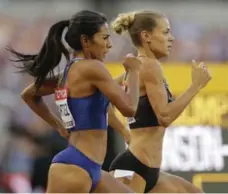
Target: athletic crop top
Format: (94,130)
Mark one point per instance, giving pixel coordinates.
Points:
(145,115)
(81,113)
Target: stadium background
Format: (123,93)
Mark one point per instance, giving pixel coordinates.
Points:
(196,145)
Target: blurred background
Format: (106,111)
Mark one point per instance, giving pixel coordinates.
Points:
(196,145)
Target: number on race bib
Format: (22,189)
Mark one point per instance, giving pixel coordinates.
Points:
(64,111)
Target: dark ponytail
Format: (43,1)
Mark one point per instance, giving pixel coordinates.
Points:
(43,64)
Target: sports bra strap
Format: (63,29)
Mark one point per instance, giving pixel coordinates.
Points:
(66,70)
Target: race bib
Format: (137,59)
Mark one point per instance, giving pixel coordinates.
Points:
(63,109)
(131,120)
(123,174)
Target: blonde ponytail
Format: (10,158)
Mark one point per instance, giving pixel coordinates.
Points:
(123,22)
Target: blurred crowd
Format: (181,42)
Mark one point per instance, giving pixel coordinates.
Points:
(25,140)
